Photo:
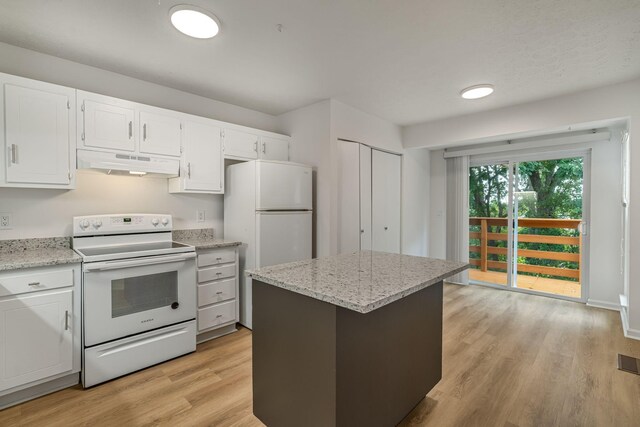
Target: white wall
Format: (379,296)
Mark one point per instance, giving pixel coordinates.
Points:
(579,110)
(48,213)
(45,213)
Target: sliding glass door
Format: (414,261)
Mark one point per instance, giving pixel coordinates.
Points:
(527,223)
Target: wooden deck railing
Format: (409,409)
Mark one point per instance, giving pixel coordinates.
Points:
(484,249)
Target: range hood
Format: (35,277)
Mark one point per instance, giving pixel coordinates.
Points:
(128,164)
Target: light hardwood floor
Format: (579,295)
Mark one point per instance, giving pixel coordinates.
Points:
(510,359)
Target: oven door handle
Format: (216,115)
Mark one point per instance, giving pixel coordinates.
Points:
(114,265)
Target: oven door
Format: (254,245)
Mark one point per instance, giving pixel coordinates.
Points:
(126,297)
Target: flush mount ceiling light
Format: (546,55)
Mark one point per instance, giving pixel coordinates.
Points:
(194,21)
(477,91)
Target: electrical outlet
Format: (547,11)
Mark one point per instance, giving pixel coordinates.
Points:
(5,220)
(200,216)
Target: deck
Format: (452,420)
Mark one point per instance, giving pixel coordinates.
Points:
(551,286)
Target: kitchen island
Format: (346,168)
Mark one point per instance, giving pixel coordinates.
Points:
(347,340)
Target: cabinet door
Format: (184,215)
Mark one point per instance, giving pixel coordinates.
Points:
(109,125)
(203,162)
(37,136)
(274,149)
(36,336)
(159,134)
(385,201)
(240,144)
(365,198)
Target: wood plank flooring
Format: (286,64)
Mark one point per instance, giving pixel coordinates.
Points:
(510,359)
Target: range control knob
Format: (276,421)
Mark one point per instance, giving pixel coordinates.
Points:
(155,221)
(84,223)
(165,221)
(97,223)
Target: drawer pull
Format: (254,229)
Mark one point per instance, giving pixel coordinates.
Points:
(218,316)
(219,273)
(219,293)
(34,284)
(219,258)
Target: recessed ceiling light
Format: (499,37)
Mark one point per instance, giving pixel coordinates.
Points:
(477,91)
(194,21)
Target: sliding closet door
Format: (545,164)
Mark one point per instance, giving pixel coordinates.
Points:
(348,201)
(365,198)
(386,191)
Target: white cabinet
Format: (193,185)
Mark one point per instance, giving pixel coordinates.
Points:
(37,337)
(369,197)
(273,149)
(385,201)
(160,134)
(107,123)
(218,292)
(241,145)
(116,125)
(246,145)
(202,165)
(39,328)
(38,135)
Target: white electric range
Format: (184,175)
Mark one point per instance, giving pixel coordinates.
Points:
(138,291)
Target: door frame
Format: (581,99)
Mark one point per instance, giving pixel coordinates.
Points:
(511,159)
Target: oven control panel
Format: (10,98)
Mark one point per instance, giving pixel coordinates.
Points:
(121,224)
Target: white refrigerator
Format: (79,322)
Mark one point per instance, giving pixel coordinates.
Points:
(268,207)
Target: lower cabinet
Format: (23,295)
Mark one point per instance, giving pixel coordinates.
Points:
(218,304)
(39,327)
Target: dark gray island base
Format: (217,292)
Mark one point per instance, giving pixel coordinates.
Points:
(318,363)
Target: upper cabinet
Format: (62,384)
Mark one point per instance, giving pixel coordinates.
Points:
(160,134)
(38,134)
(240,145)
(202,165)
(106,123)
(244,145)
(274,149)
(111,124)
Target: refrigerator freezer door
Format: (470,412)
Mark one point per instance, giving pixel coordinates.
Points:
(283,186)
(282,237)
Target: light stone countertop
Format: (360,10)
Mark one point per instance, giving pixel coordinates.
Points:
(360,281)
(205,243)
(27,253)
(201,238)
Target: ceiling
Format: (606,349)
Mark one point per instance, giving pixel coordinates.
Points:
(405,61)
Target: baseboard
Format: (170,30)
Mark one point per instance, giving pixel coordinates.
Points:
(39,390)
(216,333)
(628,332)
(603,304)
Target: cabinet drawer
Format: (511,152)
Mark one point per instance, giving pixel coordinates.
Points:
(34,282)
(221,256)
(215,273)
(214,292)
(216,315)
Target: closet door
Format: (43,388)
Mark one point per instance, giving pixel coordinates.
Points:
(348,197)
(365,198)
(385,211)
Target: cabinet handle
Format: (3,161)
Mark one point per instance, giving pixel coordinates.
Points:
(144,132)
(130,129)
(219,293)
(189,170)
(264,148)
(386,228)
(362,230)
(219,273)
(218,316)
(255,146)
(66,320)
(219,259)
(13,152)
(34,284)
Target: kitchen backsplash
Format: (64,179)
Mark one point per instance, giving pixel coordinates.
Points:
(196,233)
